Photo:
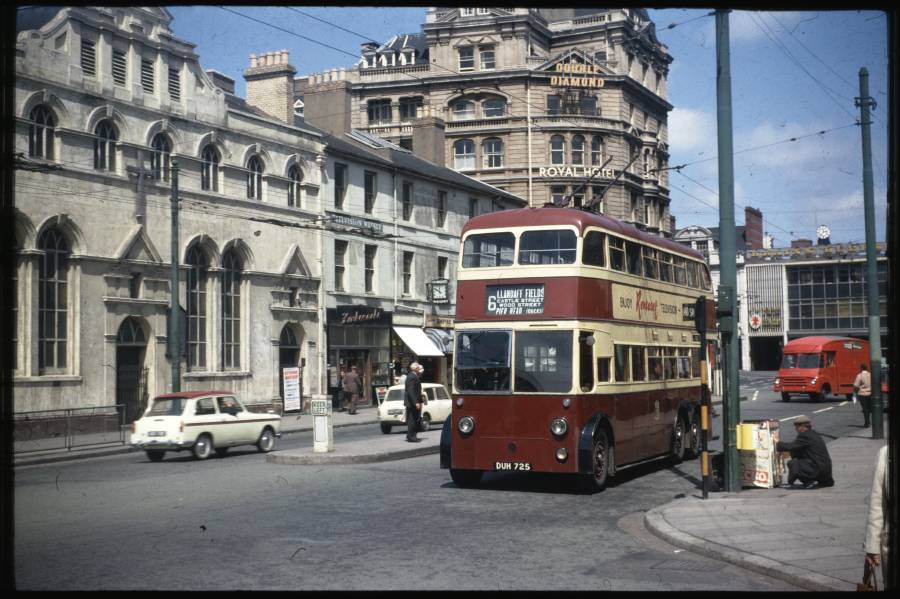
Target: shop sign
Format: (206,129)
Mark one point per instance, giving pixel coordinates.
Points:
(755,321)
(576,171)
(353,315)
(355,222)
(514,300)
(630,303)
(576,75)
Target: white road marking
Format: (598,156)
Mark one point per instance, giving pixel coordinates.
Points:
(755,395)
(790,417)
(823,410)
(843,403)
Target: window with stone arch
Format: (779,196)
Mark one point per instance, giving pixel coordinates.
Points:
(557,149)
(53,303)
(209,168)
(105,137)
(160,156)
(578,150)
(295,180)
(197,283)
(232,265)
(464,154)
(596,150)
(254,178)
(41,131)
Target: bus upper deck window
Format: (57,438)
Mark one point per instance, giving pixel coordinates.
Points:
(680,271)
(488,249)
(633,257)
(556,246)
(651,270)
(617,254)
(692,278)
(704,278)
(665,267)
(593,250)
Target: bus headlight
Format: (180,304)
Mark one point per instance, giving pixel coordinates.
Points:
(559,426)
(561,454)
(466,425)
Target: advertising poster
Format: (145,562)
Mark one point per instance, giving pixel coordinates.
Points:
(291,391)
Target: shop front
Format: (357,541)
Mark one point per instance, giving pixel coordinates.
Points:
(359,336)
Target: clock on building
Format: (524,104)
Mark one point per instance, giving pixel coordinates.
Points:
(438,291)
(823,232)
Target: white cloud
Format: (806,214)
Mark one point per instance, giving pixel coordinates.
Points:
(692,131)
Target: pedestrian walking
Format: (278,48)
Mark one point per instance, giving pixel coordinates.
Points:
(352,385)
(862,386)
(876,527)
(413,401)
(810,463)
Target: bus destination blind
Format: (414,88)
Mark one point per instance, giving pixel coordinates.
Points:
(514,300)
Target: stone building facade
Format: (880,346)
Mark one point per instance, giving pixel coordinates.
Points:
(561,105)
(107,101)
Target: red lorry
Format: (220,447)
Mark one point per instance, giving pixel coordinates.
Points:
(820,366)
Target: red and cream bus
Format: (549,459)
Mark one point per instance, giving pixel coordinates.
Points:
(575,349)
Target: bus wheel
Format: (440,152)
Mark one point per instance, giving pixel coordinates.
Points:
(693,450)
(600,462)
(465,478)
(785,396)
(678,440)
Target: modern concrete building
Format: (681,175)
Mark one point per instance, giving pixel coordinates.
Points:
(561,105)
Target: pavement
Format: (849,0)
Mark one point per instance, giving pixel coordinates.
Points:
(810,538)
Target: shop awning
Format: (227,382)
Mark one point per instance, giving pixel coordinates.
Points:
(443,338)
(418,342)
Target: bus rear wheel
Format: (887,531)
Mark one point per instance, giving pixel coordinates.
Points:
(465,478)
(692,450)
(678,440)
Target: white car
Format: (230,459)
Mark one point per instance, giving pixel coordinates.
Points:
(436,406)
(202,421)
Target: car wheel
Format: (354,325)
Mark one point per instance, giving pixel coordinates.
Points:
(816,397)
(386,428)
(426,422)
(678,440)
(203,447)
(465,478)
(266,441)
(785,396)
(155,455)
(221,451)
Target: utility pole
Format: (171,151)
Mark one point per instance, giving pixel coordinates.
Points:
(174,309)
(864,102)
(726,309)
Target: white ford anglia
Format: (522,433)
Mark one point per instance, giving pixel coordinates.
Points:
(436,405)
(203,422)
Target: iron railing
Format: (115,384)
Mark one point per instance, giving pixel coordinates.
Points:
(68,428)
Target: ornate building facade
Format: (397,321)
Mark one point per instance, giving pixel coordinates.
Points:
(553,105)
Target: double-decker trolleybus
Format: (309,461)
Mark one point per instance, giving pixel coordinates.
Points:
(575,349)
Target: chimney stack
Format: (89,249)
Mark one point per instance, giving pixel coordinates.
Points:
(753,228)
(270,84)
(327,102)
(428,139)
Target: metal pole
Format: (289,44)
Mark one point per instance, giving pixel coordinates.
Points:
(727,251)
(174,311)
(874,310)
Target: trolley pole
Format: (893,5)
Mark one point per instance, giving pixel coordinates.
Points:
(174,312)
(727,256)
(864,102)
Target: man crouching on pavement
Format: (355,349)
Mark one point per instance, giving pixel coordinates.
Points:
(811,463)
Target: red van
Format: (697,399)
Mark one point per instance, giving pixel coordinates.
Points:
(820,366)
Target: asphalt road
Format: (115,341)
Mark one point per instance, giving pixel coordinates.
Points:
(122,522)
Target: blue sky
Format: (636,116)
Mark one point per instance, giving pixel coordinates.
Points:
(794,75)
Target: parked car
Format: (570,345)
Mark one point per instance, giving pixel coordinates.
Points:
(203,422)
(436,406)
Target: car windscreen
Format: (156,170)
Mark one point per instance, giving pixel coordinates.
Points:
(165,406)
(482,361)
(395,395)
(800,361)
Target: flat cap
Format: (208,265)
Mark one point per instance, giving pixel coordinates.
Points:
(802,420)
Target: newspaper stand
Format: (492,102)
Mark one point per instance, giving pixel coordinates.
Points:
(761,465)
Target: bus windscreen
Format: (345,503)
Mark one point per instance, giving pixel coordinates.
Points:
(482,360)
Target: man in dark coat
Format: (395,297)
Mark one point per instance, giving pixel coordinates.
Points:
(413,401)
(352,385)
(811,463)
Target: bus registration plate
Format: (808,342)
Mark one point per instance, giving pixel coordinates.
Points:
(520,466)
